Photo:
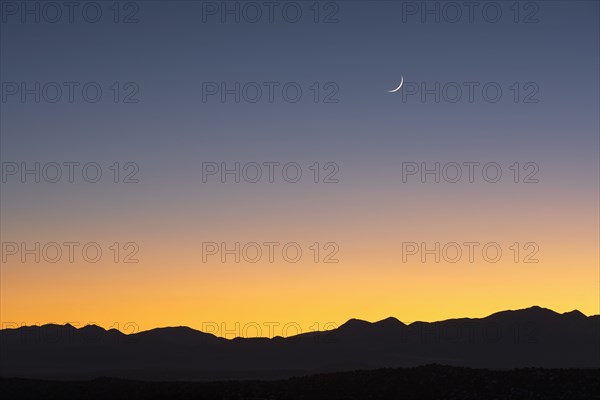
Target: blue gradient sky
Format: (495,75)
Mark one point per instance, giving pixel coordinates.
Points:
(369,133)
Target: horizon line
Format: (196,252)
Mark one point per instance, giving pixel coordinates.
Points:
(351,320)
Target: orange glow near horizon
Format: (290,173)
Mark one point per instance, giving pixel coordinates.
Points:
(172,286)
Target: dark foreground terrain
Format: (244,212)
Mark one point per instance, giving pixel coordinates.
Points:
(427,382)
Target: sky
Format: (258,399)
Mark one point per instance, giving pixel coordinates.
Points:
(147,146)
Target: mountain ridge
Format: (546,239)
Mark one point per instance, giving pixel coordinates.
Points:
(352,322)
(531,337)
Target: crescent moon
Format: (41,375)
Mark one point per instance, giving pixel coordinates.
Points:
(398,88)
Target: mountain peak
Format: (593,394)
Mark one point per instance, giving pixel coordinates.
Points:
(92,327)
(533,311)
(538,309)
(355,323)
(182,334)
(390,321)
(574,314)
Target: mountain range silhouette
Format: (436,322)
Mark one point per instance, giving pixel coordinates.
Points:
(532,337)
